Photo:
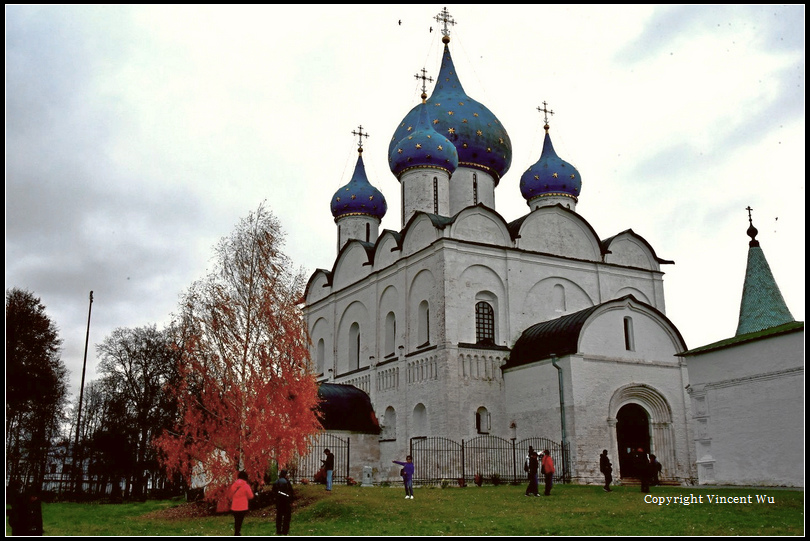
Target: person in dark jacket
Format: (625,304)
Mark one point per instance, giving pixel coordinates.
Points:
(25,515)
(607,469)
(328,466)
(283,494)
(534,465)
(642,464)
(655,471)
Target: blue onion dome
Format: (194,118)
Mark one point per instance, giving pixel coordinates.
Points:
(479,137)
(359,197)
(423,147)
(551,175)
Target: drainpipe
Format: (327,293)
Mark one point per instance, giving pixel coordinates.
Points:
(562,397)
(562,410)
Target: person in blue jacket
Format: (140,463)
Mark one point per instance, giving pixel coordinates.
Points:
(407,475)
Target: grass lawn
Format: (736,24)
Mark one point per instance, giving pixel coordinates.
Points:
(489,510)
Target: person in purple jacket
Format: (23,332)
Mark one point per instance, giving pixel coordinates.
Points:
(407,475)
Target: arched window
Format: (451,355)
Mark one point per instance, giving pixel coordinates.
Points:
(420,420)
(354,346)
(629,339)
(389,424)
(390,334)
(484,324)
(558,298)
(368,231)
(320,355)
(475,189)
(482,421)
(423,332)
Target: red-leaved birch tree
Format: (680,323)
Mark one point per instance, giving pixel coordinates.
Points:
(247,395)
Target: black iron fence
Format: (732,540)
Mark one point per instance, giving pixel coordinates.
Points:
(487,459)
(306,467)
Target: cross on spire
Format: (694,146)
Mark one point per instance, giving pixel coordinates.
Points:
(445,19)
(425,79)
(360,136)
(749,209)
(752,231)
(546,111)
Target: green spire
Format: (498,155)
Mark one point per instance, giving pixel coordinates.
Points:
(762,305)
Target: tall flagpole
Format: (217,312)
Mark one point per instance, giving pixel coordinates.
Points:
(76,454)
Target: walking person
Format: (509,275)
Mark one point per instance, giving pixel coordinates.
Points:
(407,475)
(329,466)
(533,466)
(284,495)
(240,495)
(607,469)
(547,467)
(526,463)
(642,464)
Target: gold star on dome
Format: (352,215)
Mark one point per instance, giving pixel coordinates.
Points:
(437,104)
(410,137)
(500,140)
(489,149)
(464,121)
(536,177)
(554,175)
(440,147)
(428,157)
(418,145)
(464,145)
(450,113)
(399,150)
(451,130)
(572,177)
(435,120)
(475,114)
(479,133)
(410,128)
(337,199)
(371,198)
(428,136)
(353,197)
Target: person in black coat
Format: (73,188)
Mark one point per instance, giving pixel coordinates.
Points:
(534,465)
(607,469)
(283,494)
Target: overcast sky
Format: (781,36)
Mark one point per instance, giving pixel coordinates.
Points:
(136,137)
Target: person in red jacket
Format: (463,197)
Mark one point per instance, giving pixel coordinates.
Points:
(547,467)
(240,494)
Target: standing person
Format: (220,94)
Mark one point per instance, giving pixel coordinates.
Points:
(526,463)
(547,465)
(240,494)
(655,470)
(642,464)
(607,469)
(407,475)
(329,466)
(533,466)
(283,492)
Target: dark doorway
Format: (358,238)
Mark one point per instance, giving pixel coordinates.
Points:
(632,433)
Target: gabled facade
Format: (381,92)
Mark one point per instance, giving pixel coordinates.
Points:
(430,320)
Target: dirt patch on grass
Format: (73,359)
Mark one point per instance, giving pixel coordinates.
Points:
(192,510)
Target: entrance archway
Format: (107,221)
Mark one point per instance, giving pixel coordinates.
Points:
(632,433)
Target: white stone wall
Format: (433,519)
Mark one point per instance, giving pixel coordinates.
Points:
(744,399)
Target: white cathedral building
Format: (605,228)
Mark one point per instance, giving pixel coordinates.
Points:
(465,323)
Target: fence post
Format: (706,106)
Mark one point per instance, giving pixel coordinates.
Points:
(348,456)
(514,462)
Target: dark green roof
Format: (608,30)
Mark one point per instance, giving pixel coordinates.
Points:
(762,306)
(345,407)
(785,328)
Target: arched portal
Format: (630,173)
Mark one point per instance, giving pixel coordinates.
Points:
(632,433)
(640,416)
